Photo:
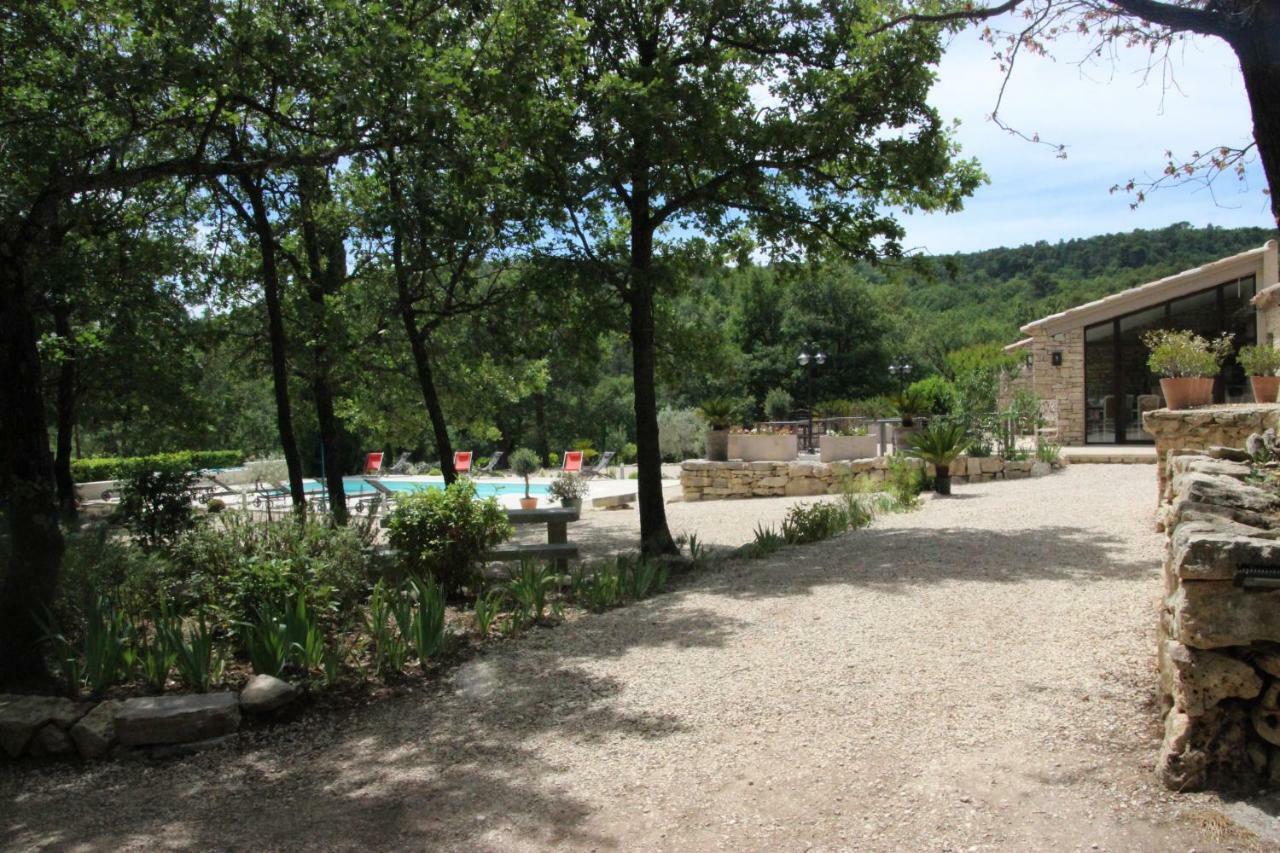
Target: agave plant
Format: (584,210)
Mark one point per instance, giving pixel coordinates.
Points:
(939,444)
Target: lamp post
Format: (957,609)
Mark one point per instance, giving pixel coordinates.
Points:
(902,370)
(807,361)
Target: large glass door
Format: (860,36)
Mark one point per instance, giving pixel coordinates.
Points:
(1118,385)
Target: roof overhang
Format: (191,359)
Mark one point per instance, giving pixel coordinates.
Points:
(1022,344)
(1260,262)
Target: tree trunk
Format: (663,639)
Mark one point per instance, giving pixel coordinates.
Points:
(1258,48)
(422,363)
(275,333)
(655,537)
(66,414)
(26,478)
(541,444)
(327,261)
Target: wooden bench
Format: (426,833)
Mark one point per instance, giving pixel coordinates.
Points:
(557,547)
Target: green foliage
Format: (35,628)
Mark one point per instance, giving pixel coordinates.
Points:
(284,635)
(155,502)
(444,533)
(681,434)
(908,405)
(1259,360)
(237,567)
(568,487)
(525,463)
(485,610)
(103,655)
(191,644)
(529,590)
(599,587)
(778,405)
(419,615)
(1179,353)
(904,480)
(813,522)
(939,443)
(1048,451)
(628,454)
(985,357)
(390,650)
(720,412)
(937,395)
(153,656)
(588,448)
(766,541)
(553,461)
(116,467)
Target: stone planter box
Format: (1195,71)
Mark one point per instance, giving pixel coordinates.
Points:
(718,445)
(762,448)
(834,447)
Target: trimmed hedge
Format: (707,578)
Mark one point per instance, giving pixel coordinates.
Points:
(114,467)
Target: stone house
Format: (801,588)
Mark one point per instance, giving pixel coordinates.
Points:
(1089,364)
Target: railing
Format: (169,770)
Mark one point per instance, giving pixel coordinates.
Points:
(808,441)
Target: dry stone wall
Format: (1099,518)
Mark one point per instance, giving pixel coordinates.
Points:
(1218,640)
(701,480)
(1179,431)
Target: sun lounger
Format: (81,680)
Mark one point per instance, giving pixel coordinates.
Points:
(373,462)
(572,461)
(492,464)
(462,461)
(601,466)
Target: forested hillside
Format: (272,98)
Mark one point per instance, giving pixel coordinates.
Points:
(961,299)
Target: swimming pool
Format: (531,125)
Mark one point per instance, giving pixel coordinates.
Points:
(484,488)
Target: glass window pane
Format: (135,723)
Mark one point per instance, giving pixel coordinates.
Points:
(1099,383)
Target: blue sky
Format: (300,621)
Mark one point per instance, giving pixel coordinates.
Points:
(1116,125)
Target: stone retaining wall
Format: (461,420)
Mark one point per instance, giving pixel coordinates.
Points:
(1219,643)
(701,480)
(1182,430)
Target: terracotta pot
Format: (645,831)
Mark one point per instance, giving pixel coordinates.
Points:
(1186,392)
(718,445)
(528,503)
(1265,388)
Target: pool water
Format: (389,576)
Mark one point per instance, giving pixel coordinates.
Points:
(485,489)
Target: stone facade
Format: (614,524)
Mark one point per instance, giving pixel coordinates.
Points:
(1188,430)
(701,480)
(1063,383)
(1218,643)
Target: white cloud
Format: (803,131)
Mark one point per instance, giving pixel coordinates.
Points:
(1116,125)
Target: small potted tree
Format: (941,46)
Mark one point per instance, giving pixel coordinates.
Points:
(939,444)
(569,489)
(908,406)
(719,413)
(525,463)
(1186,363)
(1262,363)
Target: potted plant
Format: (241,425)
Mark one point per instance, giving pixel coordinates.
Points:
(719,413)
(939,444)
(569,489)
(1186,363)
(1262,363)
(525,463)
(908,406)
(764,444)
(850,442)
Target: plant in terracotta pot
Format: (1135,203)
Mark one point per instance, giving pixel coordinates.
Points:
(1262,363)
(719,413)
(525,463)
(939,444)
(1186,363)
(569,489)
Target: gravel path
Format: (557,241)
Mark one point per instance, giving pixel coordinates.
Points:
(975,675)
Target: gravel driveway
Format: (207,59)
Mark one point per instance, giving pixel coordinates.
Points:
(975,675)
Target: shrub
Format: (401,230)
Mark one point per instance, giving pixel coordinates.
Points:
(778,405)
(939,444)
(588,448)
(524,463)
(629,453)
(530,589)
(937,394)
(444,532)
(102,655)
(813,522)
(904,480)
(419,614)
(765,542)
(1260,360)
(681,434)
(908,406)
(114,467)
(155,501)
(1048,451)
(1182,353)
(239,567)
(568,487)
(553,460)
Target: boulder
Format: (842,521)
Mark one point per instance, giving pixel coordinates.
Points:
(22,716)
(1223,495)
(1213,551)
(1211,614)
(51,740)
(1265,715)
(95,733)
(1233,454)
(1198,680)
(177,719)
(1195,747)
(266,693)
(1041,469)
